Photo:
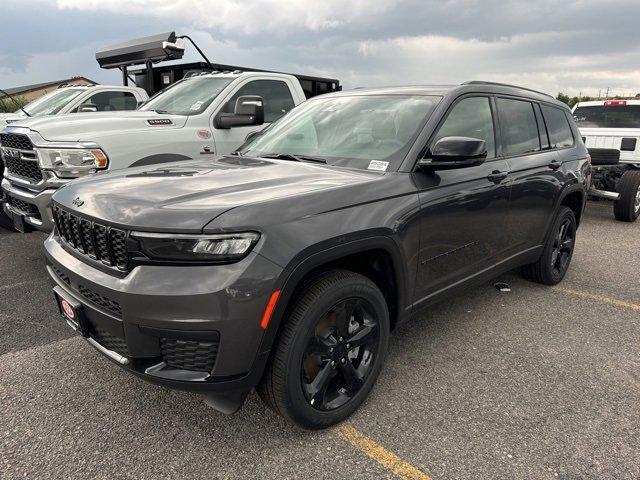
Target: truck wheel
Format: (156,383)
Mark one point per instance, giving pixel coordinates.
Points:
(558,250)
(329,351)
(627,207)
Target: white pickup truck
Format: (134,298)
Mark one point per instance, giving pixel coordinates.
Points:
(192,118)
(611,131)
(78,98)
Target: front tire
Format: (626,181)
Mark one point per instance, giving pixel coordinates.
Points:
(556,256)
(627,207)
(329,351)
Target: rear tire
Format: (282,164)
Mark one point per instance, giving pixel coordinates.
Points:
(627,207)
(556,256)
(316,377)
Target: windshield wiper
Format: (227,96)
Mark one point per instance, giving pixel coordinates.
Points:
(162,112)
(295,158)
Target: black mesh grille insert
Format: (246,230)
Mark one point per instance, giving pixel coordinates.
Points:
(110,341)
(100,242)
(106,303)
(23,207)
(189,354)
(27,169)
(15,140)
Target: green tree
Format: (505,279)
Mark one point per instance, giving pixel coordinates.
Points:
(8,106)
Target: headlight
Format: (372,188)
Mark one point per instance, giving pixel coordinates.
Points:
(71,162)
(197,248)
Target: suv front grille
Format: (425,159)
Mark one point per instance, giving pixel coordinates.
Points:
(16,141)
(23,207)
(110,342)
(112,306)
(97,241)
(189,354)
(27,169)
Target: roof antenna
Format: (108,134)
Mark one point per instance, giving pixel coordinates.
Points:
(16,103)
(198,49)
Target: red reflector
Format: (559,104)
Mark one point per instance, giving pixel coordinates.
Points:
(268,311)
(615,103)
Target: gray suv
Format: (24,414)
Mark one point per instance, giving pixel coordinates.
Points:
(286,265)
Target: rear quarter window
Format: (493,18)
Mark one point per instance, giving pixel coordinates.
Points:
(558,127)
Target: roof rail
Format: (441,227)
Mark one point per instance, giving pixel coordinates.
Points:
(498,84)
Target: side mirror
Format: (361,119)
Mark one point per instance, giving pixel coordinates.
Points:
(249,110)
(455,152)
(87,108)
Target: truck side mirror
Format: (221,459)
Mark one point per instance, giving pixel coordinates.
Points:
(249,110)
(87,108)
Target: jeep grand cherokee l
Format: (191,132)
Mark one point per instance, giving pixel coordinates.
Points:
(285,266)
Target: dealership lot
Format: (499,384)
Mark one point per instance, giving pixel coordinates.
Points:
(532,383)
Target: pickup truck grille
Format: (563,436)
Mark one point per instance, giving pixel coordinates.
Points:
(16,141)
(92,239)
(27,169)
(22,207)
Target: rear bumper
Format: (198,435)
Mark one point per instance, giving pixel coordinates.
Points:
(190,328)
(39,214)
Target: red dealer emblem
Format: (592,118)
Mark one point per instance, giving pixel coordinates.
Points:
(204,134)
(68,309)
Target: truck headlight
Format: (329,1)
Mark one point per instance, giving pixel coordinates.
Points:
(197,248)
(71,162)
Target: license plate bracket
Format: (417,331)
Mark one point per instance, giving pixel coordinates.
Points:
(71,311)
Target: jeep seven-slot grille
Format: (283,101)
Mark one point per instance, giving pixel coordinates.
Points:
(99,242)
(16,141)
(189,354)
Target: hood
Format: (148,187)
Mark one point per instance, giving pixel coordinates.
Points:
(185,196)
(13,117)
(79,127)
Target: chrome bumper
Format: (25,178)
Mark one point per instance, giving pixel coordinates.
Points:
(41,200)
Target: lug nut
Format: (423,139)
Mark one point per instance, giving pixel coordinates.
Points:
(343,360)
(340,339)
(333,363)
(348,345)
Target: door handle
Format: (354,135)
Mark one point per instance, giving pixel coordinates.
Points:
(497,176)
(555,164)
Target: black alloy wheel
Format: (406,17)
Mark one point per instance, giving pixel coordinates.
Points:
(329,350)
(563,247)
(340,353)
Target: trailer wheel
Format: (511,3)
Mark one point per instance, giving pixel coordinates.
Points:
(627,207)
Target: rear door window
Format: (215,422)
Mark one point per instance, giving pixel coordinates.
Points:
(558,126)
(518,126)
(470,117)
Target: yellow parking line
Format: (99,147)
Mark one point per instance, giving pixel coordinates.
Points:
(377,452)
(599,298)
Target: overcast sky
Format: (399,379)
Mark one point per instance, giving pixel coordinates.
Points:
(570,46)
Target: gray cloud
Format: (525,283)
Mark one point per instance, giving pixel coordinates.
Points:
(550,45)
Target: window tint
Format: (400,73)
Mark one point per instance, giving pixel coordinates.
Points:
(558,126)
(275,93)
(518,126)
(111,101)
(544,138)
(471,117)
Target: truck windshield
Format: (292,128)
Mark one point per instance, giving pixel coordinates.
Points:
(188,97)
(354,131)
(604,116)
(52,102)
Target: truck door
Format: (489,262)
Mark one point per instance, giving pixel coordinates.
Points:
(462,211)
(278,100)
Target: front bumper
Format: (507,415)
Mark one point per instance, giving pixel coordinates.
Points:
(187,327)
(39,214)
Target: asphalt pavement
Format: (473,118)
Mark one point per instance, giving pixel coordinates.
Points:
(536,383)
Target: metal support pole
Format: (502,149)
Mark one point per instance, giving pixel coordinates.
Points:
(125,77)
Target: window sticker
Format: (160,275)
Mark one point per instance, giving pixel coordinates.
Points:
(197,105)
(378,165)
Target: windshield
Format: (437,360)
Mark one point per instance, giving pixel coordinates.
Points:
(52,102)
(187,97)
(351,130)
(605,116)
